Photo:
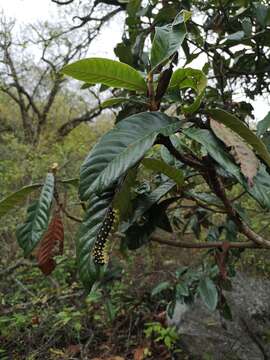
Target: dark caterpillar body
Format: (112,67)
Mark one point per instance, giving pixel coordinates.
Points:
(100,251)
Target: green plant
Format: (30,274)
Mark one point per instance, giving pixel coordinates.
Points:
(205,157)
(167,335)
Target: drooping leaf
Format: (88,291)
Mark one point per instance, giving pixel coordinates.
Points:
(241,152)
(16,198)
(113,101)
(208,293)
(95,215)
(107,72)
(260,190)
(189,78)
(51,245)
(161,166)
(168,39)
(263,125)
(121,148)
(30,233)
(210,199)
(243,131)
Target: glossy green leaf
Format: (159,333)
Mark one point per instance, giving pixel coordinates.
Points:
(263,125)
(71,181)
(164,285)
(247,26)
(189,78)
(89,272)
(108,72)
(113,101)
(208,293)
(16,198)
(121,148)
(162,167)
(237,36)
(241,129)
(261,187)
(182,290)
(262,13)
(168,39)
(30,233)
(207,198)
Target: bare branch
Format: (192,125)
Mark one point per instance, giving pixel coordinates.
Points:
(66,128)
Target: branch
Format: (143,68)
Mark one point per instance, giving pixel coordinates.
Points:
(66,128)
(203,245)
(217,185)
(72,217)
(187,159)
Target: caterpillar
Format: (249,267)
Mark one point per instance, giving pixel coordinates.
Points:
(100,251)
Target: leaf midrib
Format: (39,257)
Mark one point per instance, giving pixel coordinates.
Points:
(112,78)
(128,147)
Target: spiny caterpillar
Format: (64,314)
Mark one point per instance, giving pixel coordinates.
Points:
(100,251)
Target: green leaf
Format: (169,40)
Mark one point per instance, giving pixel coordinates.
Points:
(262,13)
(208,293)
(237,36)
(263,125)
(144,202)
(168,39)
(16,198)
(113,101)
(138,233)
(123,197)
(261,187)
(241,129)
(121,148)
(247,26)
(108,72)
(161,166)
(71,181)
(182,290)
(89,272)
(210,199)
(189,78)
(160,287)
(30,233)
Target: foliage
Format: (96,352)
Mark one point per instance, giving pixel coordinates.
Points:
(174,164)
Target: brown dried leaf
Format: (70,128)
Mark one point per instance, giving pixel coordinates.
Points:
(242,153)
(139,354)
(51,245)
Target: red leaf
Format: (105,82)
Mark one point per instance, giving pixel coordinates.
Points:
(51,245)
